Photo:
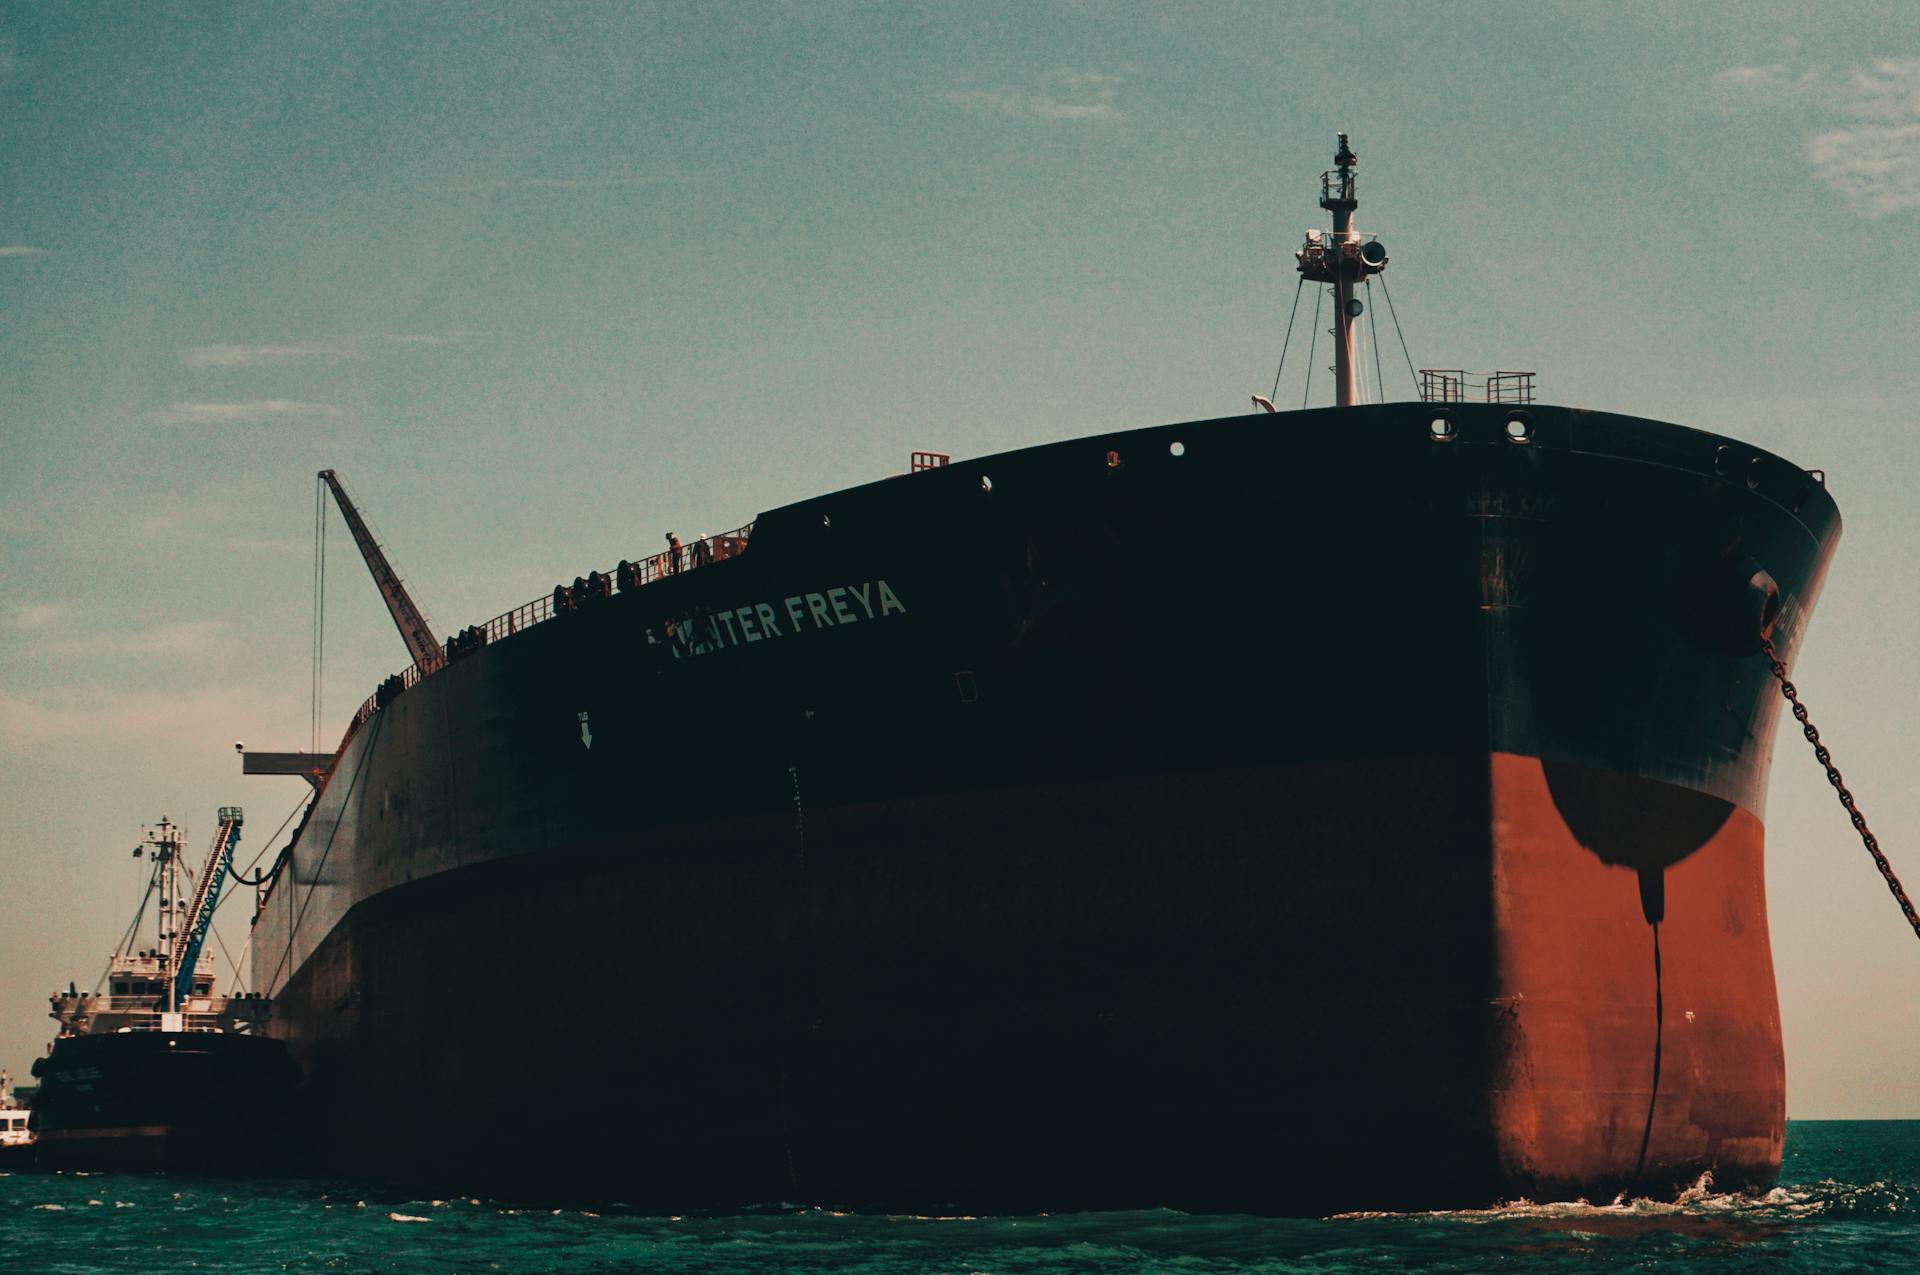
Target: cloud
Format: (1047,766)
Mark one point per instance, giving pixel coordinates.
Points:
(50,634)
(39,615)
(253,355)
(236,355)
(240,413)
(77,723)
(1755,77)
(1872,157)
(20,250)
(1081,96)
(1875,163)
(614,182)
(1887,90)
(183,637)
(451,337)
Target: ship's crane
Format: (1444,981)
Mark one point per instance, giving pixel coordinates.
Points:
(206,895)
(413,626)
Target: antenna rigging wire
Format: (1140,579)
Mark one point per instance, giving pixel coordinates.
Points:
(1288,339)
(1373,335)
(1403,336)
(1319,294)
(126,940)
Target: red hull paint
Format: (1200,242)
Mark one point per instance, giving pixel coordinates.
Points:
(1580,1012)
(1270,990)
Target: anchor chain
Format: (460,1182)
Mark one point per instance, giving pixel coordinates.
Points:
(1825,759)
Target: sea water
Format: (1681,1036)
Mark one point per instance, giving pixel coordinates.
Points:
(1849,1200)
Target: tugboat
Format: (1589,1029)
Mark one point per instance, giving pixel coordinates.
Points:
(16,1140)
(162,1072)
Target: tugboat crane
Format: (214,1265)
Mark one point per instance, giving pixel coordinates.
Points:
(206,896)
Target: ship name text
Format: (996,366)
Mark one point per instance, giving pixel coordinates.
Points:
(710,629)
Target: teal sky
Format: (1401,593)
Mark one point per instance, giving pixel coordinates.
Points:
(542,281)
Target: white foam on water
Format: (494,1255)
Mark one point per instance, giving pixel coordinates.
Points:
(1698,1198)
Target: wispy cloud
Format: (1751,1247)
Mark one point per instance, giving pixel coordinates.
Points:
(254,355)
(1083,96)
(184,637)
(241,413)
(21,250)
(1875,165)
(47,631)
(1875,162)
(614,181)
(1755,77)
(39,615)
(451,337)
(95,718)
(1872,159)
(269,354)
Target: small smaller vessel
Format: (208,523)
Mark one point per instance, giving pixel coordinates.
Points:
(161,1071)
(16,1140)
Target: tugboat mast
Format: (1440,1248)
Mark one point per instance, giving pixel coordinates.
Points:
(165,843)
(1342,257)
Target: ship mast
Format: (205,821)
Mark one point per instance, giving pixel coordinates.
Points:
(165,841)
(1342,257)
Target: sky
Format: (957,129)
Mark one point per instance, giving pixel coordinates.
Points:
(543,281)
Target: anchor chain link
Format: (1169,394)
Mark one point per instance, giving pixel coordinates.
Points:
(1825,759)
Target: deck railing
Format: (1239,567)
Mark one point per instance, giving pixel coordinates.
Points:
(628,575)
(1453,385)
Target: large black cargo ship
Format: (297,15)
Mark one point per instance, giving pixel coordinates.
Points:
(1355,807)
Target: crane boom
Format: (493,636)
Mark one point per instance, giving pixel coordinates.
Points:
(413,626)
(206,895)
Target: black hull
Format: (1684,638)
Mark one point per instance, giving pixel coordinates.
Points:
(1156,845)
(165,1101)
